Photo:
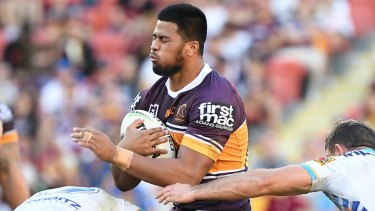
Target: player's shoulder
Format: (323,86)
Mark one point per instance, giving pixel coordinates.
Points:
(217,82)
(355,157)
(157,86)
(216,89)
(148,94)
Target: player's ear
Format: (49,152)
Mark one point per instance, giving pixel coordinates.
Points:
(193,48)
(340,150)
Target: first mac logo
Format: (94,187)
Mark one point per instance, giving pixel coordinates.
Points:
(216,115)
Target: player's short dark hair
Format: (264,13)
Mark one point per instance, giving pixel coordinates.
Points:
(351,134)
(190,20)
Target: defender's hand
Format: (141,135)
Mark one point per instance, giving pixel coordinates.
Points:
(179,193)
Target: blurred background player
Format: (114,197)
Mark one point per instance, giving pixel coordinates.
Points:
(345,175)
(13,183)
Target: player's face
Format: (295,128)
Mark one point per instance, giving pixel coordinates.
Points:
(167,49)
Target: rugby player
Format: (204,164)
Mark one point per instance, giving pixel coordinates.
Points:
(12,180)
(202,110)
(346,175)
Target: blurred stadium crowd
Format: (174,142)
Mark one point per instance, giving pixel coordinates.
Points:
(72,63)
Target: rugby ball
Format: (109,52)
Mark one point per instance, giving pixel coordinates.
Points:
(150,121)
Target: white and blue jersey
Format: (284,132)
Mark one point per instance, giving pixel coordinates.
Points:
(71,198)
(348,180)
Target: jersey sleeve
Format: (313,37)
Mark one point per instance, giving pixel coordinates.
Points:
(322,172)
(146,97)
(137,101)
(213,123)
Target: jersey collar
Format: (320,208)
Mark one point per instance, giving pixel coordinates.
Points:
(370,150)
(198,80)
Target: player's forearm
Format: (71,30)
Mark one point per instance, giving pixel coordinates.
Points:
(128,172)
(123,180)
(164,171)
(14,186)
(283,181)
(235,187)
(12,180)
(161,171)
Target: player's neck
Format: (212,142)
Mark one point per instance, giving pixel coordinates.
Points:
(359,148)
(187,74)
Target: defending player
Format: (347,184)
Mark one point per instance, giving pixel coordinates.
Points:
(346,176)
(201,109)
(12,181)
(72,198)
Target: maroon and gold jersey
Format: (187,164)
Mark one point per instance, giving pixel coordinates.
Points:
(207,116)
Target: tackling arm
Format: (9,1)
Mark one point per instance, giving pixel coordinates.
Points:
(290,180)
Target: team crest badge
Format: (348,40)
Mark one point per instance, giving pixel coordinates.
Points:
(323,161)
(181,113)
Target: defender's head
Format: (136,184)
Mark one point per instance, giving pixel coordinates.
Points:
(350,134)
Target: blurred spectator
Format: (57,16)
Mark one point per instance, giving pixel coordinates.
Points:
(62,90)
(76,49)
(290,203)
(269,155)
(9,88)
(18,52)
(369,107)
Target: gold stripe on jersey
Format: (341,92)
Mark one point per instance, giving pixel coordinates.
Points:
(9,137)
(223,173)
(200,146)
(177,137)
(234,154)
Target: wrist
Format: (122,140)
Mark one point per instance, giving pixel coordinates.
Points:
(122,144)
(194,192)
(122,158)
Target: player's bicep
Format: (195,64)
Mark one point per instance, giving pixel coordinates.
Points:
(195,163)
